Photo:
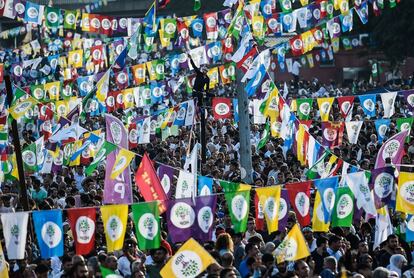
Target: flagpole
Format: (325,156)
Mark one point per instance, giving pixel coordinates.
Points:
(17,148)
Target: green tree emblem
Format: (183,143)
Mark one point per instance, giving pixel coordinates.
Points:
(190,268)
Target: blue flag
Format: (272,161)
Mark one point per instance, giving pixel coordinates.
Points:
(32,12)
(92,139)
(409,235)
(49,232)
(327,190)
(205,186)
(156,92)
(85,85)
(53,62)
(266,8)
(236,110)
(368,103)
(197,26)
(121,59)
(256,81)
(180,117)
(382,125)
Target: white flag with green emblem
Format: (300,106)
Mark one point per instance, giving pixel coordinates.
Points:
(15,233)
(185,185)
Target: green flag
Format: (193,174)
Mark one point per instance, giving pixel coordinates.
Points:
(374,69)
(346,42)
(343,211)
(265,136)
(238,205)
(169,25)
(70,18)
(103,152)
(17,94)
(393,3)
(236,24)
(197,5)
(52,17)
(318,168)
(405,124)
(108,272)
(147,224)
(286,5)
(29,158)
(304,108)
(229,186)
(38,92)
(159,68)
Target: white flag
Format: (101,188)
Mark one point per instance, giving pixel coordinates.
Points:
(358,183)
(73,131)
(388,100)
(199,56)
(145,131)
(15,233)
(191,165)
(189,117)
(302,16)
(244,44)
(262,59)
(185,185)
(383,227)
(9,9)
(352,130)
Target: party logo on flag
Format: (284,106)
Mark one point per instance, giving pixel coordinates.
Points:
(182,215)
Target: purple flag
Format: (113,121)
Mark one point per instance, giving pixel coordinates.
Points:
(382,181)
(119,190)
(205,211)
(409,98)
(166,176)
(393,148)
(180,219)
(264,88)
(284,208)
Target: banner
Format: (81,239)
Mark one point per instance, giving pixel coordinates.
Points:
(304,108)
(15,234)
(205,207)
(49,232)
(368,103)
(344,208)
(382,183)
(358,183)
(381,126)
(392,149)
(189,261)
(103,152)
(118,190)
(181,217)
(405,193)
(114,218)
(388,101)
(269,199)
(325,105)
(327,189)
(166,176)
(352,130)
(318,219)
(238,204)
(299,194)
(147,225)
(293,247)
(82,224)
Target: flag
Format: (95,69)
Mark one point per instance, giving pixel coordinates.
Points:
(106,272)
(326,166)
(358,183)
(368,103)
(197,5)
(256,81)
(271,108)
(205,186)
(122,161)
(345,104)
(115,220)
(166,176)
(148,183)
(147,224)
(49,232)
(332,133)
(189,261)
(181,216)
(344,208)
(82,224)
(238,204)
(75,58)
(393,148)
(4,269)
(325,105)
(257,69)
(205,209)
(265,136)
(409,99)
(102,87)
(388,100)
(352,129)
(405,201)
(211,21)
(33,13)
(186,185)
(293,247)
(19,110)
(29,156)
(382,181)
(70,19)
(52,17)
(327,189)
(319,222)
(362,11)
(381,126)
(150,20)
(269,198)
(304,108)
(221,108)
(383,227)
(15,233)
(237,22)
(404,124)
(299,194)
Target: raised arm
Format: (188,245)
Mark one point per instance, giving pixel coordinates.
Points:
(197,70)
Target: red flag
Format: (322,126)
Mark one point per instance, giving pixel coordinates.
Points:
(97,54)
(299,196)
(119,99)
(132,136)
(221,108)
(106,25)
(211,20)
(296,44)
(228,48)
(121,78)
(182,28)
(149,184)
(345,105)
(307,123)
(317,34)
(1,73)
(247,60)
(95,23)
(332,133)
(82,223)
(260,221)
(110,102)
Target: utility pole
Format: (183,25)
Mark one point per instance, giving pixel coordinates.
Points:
(245,151)
(17,148)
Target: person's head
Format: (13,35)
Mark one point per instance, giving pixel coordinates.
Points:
(322,242)
(331,263)
(228,273)
(80,270)
(380,272)
(307,233)
(111,262)
(159,255)
(392,241)
(130,246)
(363,247)
(301,269)
(225,242)
(335,242)
(66,263)
(227,259)
(237,238)
(41,270)
(251,224)
(398,261)
(365,270)
(130,225)
(204,70)
(366,259)
(268,260)
(251,250)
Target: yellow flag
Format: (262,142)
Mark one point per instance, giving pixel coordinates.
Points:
(151,71)
(128,98)
(344,7)
(53,89)
(293,247)
(337,4)
(62,107)
(4,271)
(165,42)
(76,146)
(139,73)
(304,2)
(257,24)
(75,58)
(214,77)
(102,87)
(14,172)
(405,196)
(123,159)
(19,110)
(269,198)
(271,109)
(300,139)
(63,62)
(325,105)
(115,219)
(309,41)
(189,261)
(86,25)
(318,221)
(293,105)
(167,118)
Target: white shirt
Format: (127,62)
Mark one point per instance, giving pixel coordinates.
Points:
(295,68)
(124,266)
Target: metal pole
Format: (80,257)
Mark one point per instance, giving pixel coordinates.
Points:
(246,168)
(203,135)
(17,149)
